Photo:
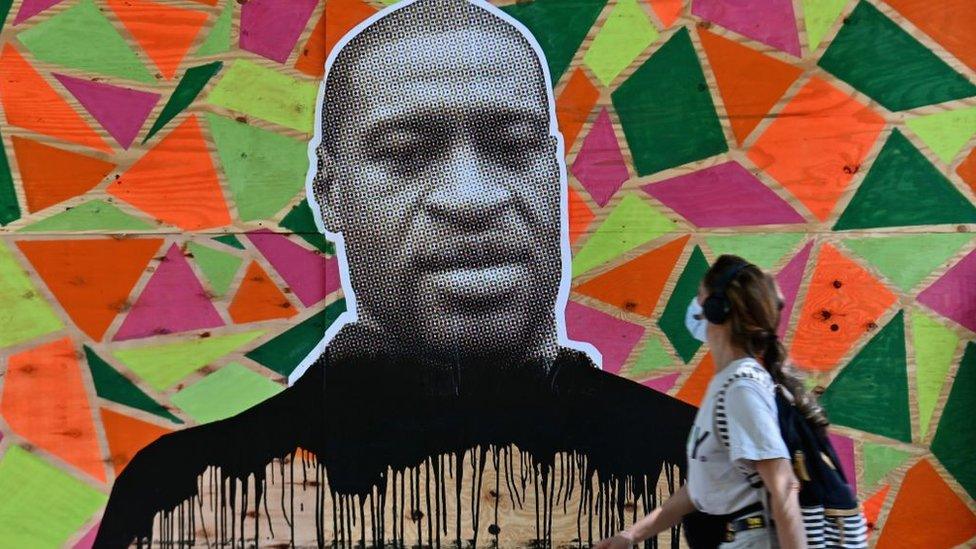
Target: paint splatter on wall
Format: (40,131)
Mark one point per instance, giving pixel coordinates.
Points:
(156,247)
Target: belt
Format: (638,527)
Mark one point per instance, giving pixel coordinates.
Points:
(735,525)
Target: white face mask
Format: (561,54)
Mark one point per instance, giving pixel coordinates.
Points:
(695,321)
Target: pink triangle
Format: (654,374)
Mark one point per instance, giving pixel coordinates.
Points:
(121,111)
(310,275)
(614,338)
(954,294)
(270,28)
(88,540)
(788,280)
(30,8)
(845,452)
(662,384)
(600,165)
(771,22)
(173,301)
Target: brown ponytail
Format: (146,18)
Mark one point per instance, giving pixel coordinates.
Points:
(754,317)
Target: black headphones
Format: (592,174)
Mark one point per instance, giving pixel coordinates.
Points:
(716,307)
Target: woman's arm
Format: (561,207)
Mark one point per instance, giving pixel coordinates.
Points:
(784,489)
(657,521)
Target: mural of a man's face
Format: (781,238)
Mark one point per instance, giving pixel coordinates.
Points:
(444,181)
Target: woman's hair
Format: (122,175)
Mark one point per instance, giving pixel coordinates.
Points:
(753,318)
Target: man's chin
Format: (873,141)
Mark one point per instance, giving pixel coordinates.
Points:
(497,333)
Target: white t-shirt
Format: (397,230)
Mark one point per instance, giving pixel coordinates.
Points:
(723,479)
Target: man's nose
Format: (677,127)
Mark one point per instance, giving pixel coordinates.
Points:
(469,192)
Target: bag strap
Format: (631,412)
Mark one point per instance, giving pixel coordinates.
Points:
(720,417)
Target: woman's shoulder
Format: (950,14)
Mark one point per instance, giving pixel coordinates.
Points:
(748,371)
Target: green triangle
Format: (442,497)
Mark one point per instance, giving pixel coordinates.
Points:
(945,132)
(219,267)
(903,188)
(301,221)
(632,223)
(4,11)
(880,59)
(871,392)
(186,91)
(672,321)
(96,46)
(666,110)
(651,359)
(9,208)
(26,314)
(218,41)
(111,385)
(266,93)
(163,365)
(955,438)
(765,250)
(265,170)
(229,240)
(284,353)
(907,259)
(225,393)
(819,16)
(624,34)
(90,216)
(559,30)
(879,460)
(934,347)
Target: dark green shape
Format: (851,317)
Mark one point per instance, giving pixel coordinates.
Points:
(955,438)
(284,353)
(871,392)
(666,109)
(4,11)
(111,385)
(230,240)
(186,91)
(9,209)
(559,29)
(672,321)
(877,57)
(903,188)
(301,222)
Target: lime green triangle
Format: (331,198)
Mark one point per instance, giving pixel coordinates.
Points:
(218,41)
(945,132)
(934,347)
(94,215)
(25,314)
(265,170)
(652,358)
(632,223)
(819,16)
(906,260)
(219,267)
(879,460)
(625,34)
(95,45)
(163,365)
(41,506)
(268,94)
(224,393)
(762,249)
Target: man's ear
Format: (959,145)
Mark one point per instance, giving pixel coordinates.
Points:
(324,189)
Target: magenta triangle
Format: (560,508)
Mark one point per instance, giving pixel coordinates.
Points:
(788,280)
(121,111)
(30,8)
(954,294)
(173,301)
(662,384)
(600,165)
(310,275)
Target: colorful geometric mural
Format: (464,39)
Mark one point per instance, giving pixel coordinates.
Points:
(160,267)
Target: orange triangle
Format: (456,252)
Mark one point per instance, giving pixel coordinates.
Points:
(667,11)
(259,298)
(926,513)
(127,435)
(636,285)
(338,18)
(91,278)
(872,507)
(693,391)
(176,181)
(164,32)
(573,106)
(51,175)
(580,216)
(45,402)
(29,102)
(750,82)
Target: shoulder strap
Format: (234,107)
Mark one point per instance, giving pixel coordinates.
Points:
(720,415)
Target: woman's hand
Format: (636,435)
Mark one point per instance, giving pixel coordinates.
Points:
(623,540)
(777,475)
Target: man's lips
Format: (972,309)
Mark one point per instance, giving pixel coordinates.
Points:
(476,287)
